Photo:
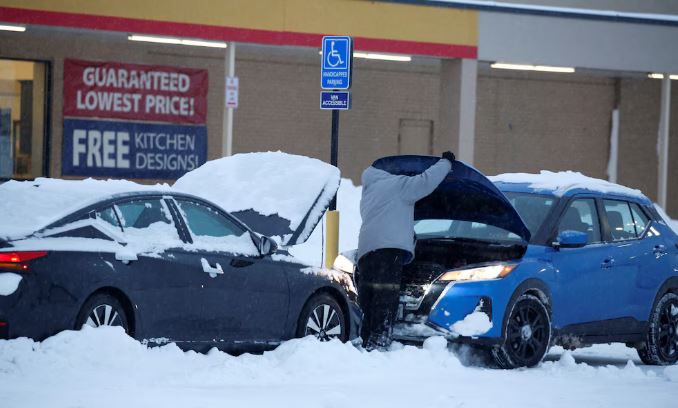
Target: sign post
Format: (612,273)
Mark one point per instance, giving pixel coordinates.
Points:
(335,79)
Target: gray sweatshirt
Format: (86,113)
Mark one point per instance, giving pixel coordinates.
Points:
(387,207)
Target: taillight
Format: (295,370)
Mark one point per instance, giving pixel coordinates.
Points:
(18,261)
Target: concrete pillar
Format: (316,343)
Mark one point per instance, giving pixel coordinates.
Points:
(663,141)
(457,118)
(227,142)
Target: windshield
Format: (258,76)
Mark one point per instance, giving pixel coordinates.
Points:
(439,228)
(532,208)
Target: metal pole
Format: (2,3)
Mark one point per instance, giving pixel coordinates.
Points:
(227,149)
(334,147)
(663,141)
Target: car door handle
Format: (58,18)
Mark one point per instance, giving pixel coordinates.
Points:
(240,263)
(607,263)
(213,271)
(659,249)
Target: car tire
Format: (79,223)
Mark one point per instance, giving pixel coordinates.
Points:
(323,318)
(661,344)
(527,334)
(102,310)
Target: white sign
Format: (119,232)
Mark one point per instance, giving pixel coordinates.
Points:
(232,92)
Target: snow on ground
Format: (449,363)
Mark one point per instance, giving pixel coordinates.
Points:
(105,368)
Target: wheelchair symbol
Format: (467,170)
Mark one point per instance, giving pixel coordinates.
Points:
(333,57)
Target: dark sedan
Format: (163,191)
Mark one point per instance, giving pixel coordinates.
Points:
(168,267)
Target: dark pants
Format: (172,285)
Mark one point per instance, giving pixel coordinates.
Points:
(380,272)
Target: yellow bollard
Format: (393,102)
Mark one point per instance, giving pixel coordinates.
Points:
(331,238)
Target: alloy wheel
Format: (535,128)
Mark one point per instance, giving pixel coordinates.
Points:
(324,323)
(527,333)
(667,343)
(103,315)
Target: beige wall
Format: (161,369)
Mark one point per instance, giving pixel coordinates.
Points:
(53,46)
(279,106)
(526,122)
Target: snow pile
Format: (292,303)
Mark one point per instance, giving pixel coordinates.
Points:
(561,182)
(673,224)
(269,183)
(9,282)
(104,368)
(27,206)
(474,324)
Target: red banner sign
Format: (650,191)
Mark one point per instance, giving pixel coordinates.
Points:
(138,92)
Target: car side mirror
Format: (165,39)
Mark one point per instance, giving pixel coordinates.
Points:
(266,245)
(571,239)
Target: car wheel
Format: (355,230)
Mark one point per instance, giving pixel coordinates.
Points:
(323,318)
(102,310)
(661,344)
(528,334)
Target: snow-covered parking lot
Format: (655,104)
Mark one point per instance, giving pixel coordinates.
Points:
(105,368)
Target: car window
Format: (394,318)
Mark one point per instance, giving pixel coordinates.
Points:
(640,220)
(147,218)
(620,220)
(581,215)
(440,228)
(205,221)
(532,208)
(108,216)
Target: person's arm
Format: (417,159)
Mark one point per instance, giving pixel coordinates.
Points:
(417,187)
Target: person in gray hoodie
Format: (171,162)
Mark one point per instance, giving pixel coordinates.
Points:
(386,242)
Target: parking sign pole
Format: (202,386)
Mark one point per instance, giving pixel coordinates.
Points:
(335,80)
(334,149)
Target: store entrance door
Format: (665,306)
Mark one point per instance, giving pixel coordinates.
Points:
(23,106)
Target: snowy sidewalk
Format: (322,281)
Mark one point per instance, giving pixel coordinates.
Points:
(105,368)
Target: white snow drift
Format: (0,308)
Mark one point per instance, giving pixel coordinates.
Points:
(104,368)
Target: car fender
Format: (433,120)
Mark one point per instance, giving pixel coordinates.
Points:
(531,285)
(669,285)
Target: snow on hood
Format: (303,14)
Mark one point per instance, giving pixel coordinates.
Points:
(275,193)
(561,182)
(28,206)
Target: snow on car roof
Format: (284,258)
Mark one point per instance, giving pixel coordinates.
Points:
(28,206)
(560,183)
(277,182)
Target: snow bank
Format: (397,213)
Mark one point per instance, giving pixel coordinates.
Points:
(561,182)
(268,182)
(27,206)
(9,282)
(104,368)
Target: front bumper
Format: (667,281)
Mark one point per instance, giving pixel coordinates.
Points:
(452,304)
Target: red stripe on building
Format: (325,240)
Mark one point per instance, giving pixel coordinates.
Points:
(219,33)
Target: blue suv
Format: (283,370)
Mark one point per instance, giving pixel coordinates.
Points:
(569,262)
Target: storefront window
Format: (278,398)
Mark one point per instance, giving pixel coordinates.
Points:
(23,89)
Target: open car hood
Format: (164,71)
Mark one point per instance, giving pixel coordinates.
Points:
(276,194)
(465,194)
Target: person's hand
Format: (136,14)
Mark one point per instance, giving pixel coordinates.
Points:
(449,156)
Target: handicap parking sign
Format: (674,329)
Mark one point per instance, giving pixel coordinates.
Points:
(337,61)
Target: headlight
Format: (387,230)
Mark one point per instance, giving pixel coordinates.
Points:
(342,263)
(481,273)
